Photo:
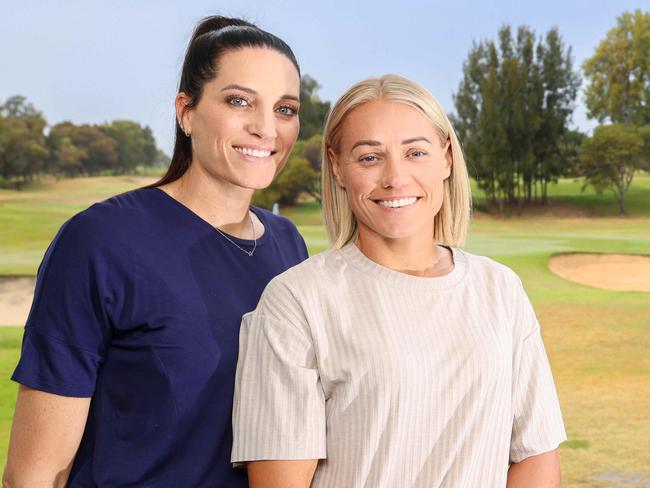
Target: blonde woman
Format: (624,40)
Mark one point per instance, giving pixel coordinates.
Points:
(395,359)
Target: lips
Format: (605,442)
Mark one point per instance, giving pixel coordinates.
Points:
(254,152)
(397,202)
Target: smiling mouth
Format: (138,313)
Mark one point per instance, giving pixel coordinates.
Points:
(255,153)
(397,202)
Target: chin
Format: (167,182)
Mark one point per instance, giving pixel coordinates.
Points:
(257,181)
(395,234)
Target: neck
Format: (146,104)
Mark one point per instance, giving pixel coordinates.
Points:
(218,202)
(415,255)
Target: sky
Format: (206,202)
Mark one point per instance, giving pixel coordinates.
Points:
(93,62)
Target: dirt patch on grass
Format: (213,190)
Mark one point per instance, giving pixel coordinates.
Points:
(621,272)
(16,295)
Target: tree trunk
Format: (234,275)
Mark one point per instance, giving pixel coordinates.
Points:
(621,201)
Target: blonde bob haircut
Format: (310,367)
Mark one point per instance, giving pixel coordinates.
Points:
(451,222)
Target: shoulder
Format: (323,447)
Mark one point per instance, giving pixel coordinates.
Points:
(288,294)
(106,222)
(317,273)
(325,266)
(490,272)
(502,288)
(135,203)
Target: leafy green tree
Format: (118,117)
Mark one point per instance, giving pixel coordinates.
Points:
(67,157)
(97,152)
(644,132)
(18,106)
(312,110)
(570,145)
(162,159)
(135,144)
(513,107)
(560,85)
(610,158)
(24,151)
(619,72)
(297,177)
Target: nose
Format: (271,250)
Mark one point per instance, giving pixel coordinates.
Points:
(262,124)
(394,174)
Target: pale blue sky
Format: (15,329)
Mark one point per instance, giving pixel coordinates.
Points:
(90,62)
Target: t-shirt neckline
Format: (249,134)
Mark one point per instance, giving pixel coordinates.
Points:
(202,222)
(357,258)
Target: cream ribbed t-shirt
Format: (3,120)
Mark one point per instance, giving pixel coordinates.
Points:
(393,380)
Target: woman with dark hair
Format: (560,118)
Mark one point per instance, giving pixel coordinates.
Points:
(128,358)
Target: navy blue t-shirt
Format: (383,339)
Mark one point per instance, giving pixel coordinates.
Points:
(138,304)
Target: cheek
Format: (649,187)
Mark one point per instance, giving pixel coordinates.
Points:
(358,186)
(289,133)
(432,181)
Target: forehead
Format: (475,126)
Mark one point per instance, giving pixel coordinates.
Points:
(264,70)
(385,121)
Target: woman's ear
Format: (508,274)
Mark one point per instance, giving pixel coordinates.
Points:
(336,169)
(182,104)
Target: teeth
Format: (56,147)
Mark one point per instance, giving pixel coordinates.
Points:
(253,152)
(401,202)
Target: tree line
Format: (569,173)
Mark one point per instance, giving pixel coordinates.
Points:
(513,111)
(515,102)
(67,149)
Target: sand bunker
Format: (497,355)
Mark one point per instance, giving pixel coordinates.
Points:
(619,272)
(15,299)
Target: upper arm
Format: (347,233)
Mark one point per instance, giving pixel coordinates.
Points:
(281,474)
(279,402)
(45,436)
(537,419)
(68,329)
(540,471)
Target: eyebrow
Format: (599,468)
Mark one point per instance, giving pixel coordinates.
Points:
(369,142)
(415,139)
(253,92)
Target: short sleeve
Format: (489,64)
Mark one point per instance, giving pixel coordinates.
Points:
(279,404)
(537,424)
(67,330)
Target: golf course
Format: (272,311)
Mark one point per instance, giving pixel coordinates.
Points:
(597,339)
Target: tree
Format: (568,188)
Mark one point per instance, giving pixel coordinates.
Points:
(162,159)
(513,108)
(97,152)
(619,72)
(67,158)
(312,110)
(570,145)
(610,158)
(24,151)
(18,106)
(296,177)
(644,132)
(559,90)
(135,144)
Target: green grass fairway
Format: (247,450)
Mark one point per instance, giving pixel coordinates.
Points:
(9,351)
(597,340)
